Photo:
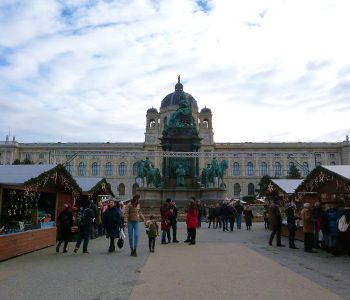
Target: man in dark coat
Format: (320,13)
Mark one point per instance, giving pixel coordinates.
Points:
(84,228)
(65,222)
(292,227)
(275,223)
(112,223)
(174,212)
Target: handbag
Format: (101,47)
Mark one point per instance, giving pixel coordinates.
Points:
(120,243)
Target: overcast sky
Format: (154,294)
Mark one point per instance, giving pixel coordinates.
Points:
(87,71)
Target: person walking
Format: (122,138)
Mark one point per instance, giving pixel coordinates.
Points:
(217,215)
(211,216)
(174,212)
(85,220)
(192,221)
(316,213)
(248,216)
(239,209)
(291,225)
(152,231)
(224,212)
(65,222)
(112,222)
(134,216)
(275,223)
(232,213)
(165,224)
(308,228)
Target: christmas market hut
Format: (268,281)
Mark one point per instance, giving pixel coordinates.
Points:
(281,188)
(94,188)
(329,185)
(31,197)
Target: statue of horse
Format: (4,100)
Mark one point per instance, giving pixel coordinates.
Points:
(221,171)
(215,170)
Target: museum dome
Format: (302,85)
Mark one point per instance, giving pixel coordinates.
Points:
(175,97)
(152,110)
(205,110)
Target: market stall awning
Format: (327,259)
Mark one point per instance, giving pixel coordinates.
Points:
(287,185)
(18,174)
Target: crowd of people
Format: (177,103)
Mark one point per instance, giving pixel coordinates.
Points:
(324,227)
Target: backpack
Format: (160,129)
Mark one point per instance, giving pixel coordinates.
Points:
(80,217)
(342,224)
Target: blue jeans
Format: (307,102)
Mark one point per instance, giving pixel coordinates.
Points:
(133,231)
(239,220)
(83,236)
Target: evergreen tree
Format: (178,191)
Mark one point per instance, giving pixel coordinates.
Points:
(264,181)
(293,173)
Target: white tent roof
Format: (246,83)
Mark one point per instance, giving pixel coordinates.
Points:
(343,170)
(18,174)
(287,185)
(87,183)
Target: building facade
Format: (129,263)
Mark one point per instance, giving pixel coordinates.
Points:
(248,162)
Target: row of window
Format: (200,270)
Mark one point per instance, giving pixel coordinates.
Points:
(236,169)
(95,169)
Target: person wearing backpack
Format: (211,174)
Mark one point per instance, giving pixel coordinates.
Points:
(152,230)
(65,222)
(85,219)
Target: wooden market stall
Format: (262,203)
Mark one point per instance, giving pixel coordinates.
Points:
(93,188)
(284,189)
(329,185)
(31,197)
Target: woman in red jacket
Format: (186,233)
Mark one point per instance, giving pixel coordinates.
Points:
(192,221)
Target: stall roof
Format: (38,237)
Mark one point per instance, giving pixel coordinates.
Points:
(322,174)
(342,170)
(18,174)
(287,185)
(88,184)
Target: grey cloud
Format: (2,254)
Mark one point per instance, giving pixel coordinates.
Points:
(317,65)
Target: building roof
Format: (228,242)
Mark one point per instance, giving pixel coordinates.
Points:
(342,170)
(175,97)
(18,174)
(287,185)
(87,183)
(94,184)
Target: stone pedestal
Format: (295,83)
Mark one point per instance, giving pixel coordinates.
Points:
(153,198)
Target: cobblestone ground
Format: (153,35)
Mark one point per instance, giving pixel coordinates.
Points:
(99,275)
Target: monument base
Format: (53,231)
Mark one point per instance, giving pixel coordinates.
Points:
(153,198)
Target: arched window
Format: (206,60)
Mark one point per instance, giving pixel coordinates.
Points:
(250,169)
(277,169)
(95,169)
(152,124)
(236,190)
(205,123)
(251,190)
(108,169)
(135,186)
(81,169)
(305,169)
(121,189)
(235,169)
(134,170)
(263,169)
(68,167)
(122,169)
(290,165)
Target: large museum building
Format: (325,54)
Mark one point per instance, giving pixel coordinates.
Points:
(248,162)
